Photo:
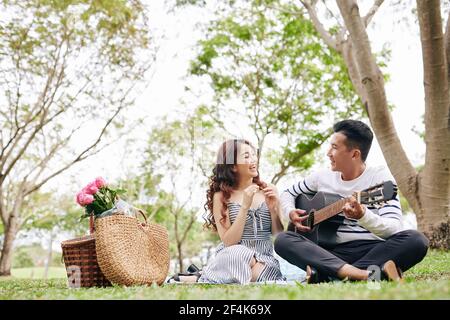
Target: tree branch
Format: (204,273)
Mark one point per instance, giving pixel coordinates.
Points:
(54,149)
(331,13)
(353,72)
(283,10)
(18,94)
(18,68)
(23,128)
(23,149)
(3,209)
(83,155)
(285,166)
(188,227)
(368,17)
(217,118)
(326,36)
(42,99)
(154,211)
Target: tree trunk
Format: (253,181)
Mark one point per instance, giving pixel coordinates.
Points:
(380,118)
(435,177)
(6,255)
(428,193)
(180,257)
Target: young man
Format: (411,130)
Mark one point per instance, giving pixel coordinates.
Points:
(365,238)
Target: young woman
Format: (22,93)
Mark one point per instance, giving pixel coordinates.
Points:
(245,212)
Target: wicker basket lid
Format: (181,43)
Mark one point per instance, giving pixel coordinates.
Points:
(77,241)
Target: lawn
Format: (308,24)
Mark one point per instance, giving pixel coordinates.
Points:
(38,273)
(428,280)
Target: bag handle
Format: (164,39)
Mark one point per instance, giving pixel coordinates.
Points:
(91,224)
(142,214)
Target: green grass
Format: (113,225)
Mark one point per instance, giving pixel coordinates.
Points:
(428,280)
(38,273)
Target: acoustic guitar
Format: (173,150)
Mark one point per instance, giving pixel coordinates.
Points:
(323,210)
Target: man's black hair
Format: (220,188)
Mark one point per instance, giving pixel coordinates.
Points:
(359,136)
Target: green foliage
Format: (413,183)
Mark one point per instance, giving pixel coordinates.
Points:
(181,3)
(404,203)
(66,66)
(22,260)
(73,40)
(268,56)
(144,192)
(49,212)
(82,22)
(178,148)
(34,256)
(104,200)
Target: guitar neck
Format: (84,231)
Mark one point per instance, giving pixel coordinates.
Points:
(329,211)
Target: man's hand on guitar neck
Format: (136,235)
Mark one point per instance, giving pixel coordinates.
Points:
(353,209)
(297,216)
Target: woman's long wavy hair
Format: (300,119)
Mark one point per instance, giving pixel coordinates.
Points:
(224,179)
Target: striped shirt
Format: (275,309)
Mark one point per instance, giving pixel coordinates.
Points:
(376,224)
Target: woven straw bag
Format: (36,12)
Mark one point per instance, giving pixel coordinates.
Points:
(130,252)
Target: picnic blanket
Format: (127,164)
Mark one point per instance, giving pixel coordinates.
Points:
(293,276)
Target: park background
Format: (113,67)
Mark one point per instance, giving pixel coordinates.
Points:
(169,81)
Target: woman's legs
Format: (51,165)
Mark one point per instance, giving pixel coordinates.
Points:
(256,267)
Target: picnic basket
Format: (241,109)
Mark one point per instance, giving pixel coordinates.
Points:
(80,259)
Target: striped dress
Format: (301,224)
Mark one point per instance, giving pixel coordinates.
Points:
(232,264)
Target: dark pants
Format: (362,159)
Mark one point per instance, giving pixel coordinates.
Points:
(405,248)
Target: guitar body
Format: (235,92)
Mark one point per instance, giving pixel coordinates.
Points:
(324,233)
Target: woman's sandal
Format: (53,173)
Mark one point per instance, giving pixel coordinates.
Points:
(176,277)
(192,271)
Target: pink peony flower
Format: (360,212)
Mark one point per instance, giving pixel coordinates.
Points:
(91,188)
(88,199)
(96,197)
(84,199)
(100,182)
(80,198)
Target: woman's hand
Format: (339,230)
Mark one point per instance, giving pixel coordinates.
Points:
(249,193)
(271,197)
(273,203)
